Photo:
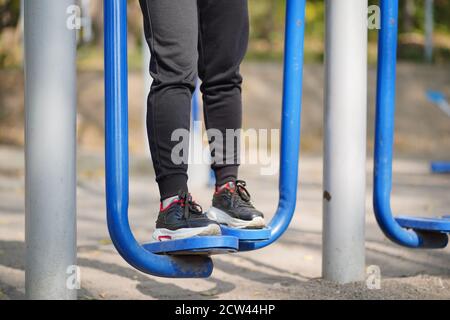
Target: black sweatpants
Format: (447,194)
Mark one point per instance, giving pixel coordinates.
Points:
(189,39)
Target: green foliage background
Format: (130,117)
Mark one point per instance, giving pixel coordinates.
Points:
(267,29)
(268,25)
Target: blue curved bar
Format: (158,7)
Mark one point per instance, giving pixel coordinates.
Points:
(116,136)
(196,103)
(436,97)
(290,123)
(195,245)
(440,167)
(384,138)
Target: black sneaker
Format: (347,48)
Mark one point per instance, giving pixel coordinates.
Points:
(231,206)
(183,218)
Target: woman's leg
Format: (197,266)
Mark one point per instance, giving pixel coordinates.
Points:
(223,40)
(171,31)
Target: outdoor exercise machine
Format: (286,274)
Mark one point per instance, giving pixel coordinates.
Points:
(438,98)
(186,258)
(406,231)
(51,149)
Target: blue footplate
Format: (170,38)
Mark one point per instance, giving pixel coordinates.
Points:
(247,234)
(425,224)
(195,246)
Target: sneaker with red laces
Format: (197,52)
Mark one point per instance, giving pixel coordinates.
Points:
(231,206)
(183,218)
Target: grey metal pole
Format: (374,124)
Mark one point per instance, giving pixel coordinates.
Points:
(345,141)
(50,148)
(429,26)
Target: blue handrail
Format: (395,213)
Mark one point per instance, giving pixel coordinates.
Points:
(290,123)
(116,136)
(384,137)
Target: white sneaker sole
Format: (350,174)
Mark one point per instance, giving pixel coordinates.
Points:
(222,217)
(168,235)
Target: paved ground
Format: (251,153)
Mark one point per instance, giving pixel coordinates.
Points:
(422,130)
(289,269)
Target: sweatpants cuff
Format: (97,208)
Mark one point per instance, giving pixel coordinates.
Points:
(226,174)
(170,186)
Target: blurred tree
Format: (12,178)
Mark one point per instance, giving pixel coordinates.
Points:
(409,11)
(97,21)
(9,13)
(10,32)
(267,29)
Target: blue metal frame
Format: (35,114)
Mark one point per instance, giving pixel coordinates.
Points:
(440,167)
(435,97)
(116,159)
(116,131)
(384,138)
(196,103)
